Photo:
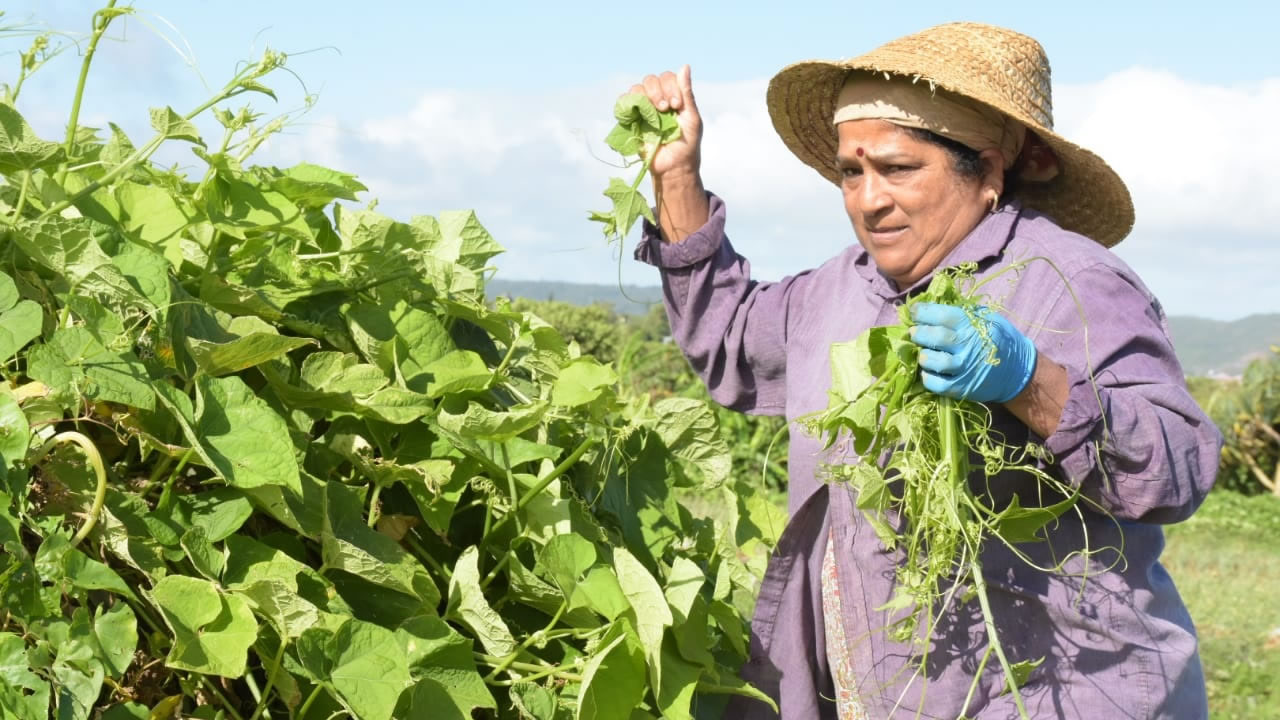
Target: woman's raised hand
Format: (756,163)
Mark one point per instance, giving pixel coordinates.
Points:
(678,159)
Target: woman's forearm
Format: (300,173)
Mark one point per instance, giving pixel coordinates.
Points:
(682,205)
(1040,403)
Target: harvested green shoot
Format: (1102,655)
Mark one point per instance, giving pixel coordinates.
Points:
(923,483)
(640,130)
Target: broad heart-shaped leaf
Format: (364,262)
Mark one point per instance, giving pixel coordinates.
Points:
(349,544)
(462,230)
(364,663)
(337,372)
(243,352)
(446,683)
(689,429)
(582,381)
(400,338)
(23,694)
(613,680)
(236,207)
(63,565)
(20,149)
(468,606)
(116,633)
(15,433)
(533,702)
(73,362)
(67,247)
(566,558)
(151,215)
(628,205)
(212,630)
(20,320)
(245,439)
(172,125)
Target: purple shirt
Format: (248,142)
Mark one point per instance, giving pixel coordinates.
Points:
(1117,645)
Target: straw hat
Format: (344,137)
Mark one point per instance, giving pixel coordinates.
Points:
(997,67)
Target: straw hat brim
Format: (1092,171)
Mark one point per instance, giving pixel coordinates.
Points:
(1086,197)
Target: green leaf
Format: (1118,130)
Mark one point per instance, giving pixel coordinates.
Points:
(468,606)
(533,702)
(21,690)
(474,245)
(370,669)
(457,371)
(689,429)
(315,186)
(613,680)
(1018,524)
(68,247)
(277,601)
(20,320)
(172,125)
(205,558)
(15,433)
(480,422)
(650,611)
(349,544)
(212,630)
(57,559)
(220,511)
(243,352)
(116,633)
(628,205)
(581,382)
(246,441)
(337,372)
(1021,673)
(446,683)
(566,558)
(20,149)
(74,362)
(150,215)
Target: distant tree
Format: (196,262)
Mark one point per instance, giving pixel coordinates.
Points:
(1249,415)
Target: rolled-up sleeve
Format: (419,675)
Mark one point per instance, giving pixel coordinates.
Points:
(732,329)
(1130,436)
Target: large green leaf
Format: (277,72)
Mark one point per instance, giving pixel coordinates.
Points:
(245,439)
(20,320)
(581,382)
(212,630)
(689,428)
(446,683)
(20,149)
(73,363)
(15,433)
(22,692)
(243,352)
(364,662)
(349,544)
(68,248)
(614,678)
(150,214)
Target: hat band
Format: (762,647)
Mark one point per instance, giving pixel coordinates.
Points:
(909,104)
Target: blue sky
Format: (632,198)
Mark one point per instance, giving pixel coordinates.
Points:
(501,107)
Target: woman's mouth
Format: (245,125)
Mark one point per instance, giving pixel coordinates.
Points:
(885,234)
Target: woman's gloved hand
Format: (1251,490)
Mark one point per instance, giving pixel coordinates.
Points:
(955,359)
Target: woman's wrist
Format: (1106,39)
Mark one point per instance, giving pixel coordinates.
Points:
(682,204)
(1040,403)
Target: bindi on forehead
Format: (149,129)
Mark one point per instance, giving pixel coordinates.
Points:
(860,152)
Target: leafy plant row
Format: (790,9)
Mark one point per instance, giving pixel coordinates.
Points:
(266,455)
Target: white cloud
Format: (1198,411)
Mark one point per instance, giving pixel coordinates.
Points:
(1192,154)
(1199,160)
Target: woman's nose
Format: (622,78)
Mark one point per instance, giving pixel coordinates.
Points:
(873,197)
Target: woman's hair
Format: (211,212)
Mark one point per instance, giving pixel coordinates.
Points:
(966,161)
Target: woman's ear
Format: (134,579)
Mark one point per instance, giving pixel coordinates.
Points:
(992,170)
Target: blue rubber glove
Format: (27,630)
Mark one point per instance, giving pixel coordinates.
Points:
(955,360)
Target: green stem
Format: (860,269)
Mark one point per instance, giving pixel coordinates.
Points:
(166,497)
(542,671)
(302,712)
(99,470)
(993,638)
(533,638)
(528,497)
(374,512)
(977,676)
(271,679)
(22,196)
(101,20)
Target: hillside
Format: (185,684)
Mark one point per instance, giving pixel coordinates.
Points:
(1204,346)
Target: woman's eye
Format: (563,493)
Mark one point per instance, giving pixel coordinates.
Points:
(899,168)
(851,172)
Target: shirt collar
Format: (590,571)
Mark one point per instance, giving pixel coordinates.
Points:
(984,242)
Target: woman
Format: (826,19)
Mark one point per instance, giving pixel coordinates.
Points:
(941,144)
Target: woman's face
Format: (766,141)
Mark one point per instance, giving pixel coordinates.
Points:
(908,205)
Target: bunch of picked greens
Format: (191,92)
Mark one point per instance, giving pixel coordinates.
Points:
(913,471)
(264,455)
